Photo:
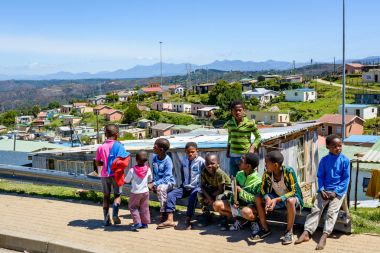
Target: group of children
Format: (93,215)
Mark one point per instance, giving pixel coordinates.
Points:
(202,180)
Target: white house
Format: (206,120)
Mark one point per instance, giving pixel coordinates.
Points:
(300,95)
(196,107)
(161,106)
(262,94)
(268,118)
(207,112)
(98,100)
(292,79)
(27,119)
(123,95)
(181,107)
(372,76)
(176,89)
(362,111)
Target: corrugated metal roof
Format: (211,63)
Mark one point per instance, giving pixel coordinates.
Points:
(373,155)
(205,138)
(27,146)
(362,138)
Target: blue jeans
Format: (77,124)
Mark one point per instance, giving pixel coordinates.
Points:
(234,165)
(180,193)
(282,204)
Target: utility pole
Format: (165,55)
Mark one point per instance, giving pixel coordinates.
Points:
(206,74)
(97,127)
(344,76)
(334,66)
(161,60)
(294,67)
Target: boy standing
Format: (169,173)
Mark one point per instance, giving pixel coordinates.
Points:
(106,154)
(163,179)
(333,179)
(191,168)
(279,189)
(240,130)
(214,182)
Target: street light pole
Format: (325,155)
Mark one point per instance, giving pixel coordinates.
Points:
(344,76)
(161,60)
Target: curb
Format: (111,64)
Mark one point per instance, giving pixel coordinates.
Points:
(22,244)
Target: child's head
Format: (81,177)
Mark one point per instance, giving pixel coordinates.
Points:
(249,162)
(237,110)
(334,144)
(141,157)
(161,146)
(212,163)
(111,131)
(191,149)
(273,161)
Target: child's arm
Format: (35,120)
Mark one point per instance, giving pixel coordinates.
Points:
(203,189)
(292,191)
(249,192)
(128,178)
(168,173)
(257,141)
(321,175)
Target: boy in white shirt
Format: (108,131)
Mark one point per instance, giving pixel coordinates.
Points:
(139,176)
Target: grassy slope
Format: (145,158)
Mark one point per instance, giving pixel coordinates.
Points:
(365,220)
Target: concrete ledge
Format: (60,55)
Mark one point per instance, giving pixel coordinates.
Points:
(32,245)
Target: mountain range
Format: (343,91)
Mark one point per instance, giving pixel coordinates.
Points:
(170,69)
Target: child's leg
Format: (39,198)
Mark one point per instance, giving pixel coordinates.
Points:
(106,188)
(171,202)
(162,195)
(134,204)
(222,207)
(192,202)
(144,208)
(291,209)
(248,213)
(261,212)
(117,190)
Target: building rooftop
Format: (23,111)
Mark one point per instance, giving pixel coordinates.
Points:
(27,146)
(208,108)
(337,118)
(304,89)
(162,126)
(362,138)
(189,127)
(356,106)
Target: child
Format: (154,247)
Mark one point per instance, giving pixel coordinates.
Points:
(333,179)
(163,179)
(279,189)
(140,176)
(248,186)
(214,182)
(240,130)
(191,168)
(106,154)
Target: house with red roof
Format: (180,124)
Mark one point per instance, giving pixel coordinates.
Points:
(332,124)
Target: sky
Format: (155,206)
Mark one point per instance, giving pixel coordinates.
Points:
(44,36)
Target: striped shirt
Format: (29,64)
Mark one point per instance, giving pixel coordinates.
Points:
(239,136)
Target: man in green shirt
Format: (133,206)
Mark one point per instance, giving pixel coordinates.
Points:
(240,130)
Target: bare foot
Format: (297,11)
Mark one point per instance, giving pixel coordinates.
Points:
(322,242)
(188,223)
(303,238)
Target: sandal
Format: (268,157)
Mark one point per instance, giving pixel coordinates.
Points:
(166,225)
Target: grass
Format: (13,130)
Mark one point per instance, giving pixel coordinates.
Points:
(366,220)
(328,100)
(357,82)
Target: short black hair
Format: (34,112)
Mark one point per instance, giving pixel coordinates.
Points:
(111,130)
(252,159)
(163,143)
(330,138)
(191,145)
(235,103)
(142,156)
(275,156)
(209,155)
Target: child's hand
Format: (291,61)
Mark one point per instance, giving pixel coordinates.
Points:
(325,195)
(238,189)
(331,195)
(236,205)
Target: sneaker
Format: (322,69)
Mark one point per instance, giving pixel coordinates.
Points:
(107,221)
(205,220)
(255,228)
(116,220)
(224,224)
(288,238)
(134,227)
(143,226)
(238,225)
(261,234)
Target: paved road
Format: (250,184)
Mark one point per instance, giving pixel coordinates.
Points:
(79,225)
(347,87)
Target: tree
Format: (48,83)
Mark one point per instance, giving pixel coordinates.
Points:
(8,118)
(131,114)
(224,93)
(36,110)
(112,97)
(53,105)
(254,101)
(127,136)
(85,139)
(154,115)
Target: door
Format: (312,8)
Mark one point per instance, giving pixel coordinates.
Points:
(357,112)
(376,78)
(329,130)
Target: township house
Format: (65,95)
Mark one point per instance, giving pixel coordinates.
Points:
(353,68)
(66,109)
(181,107)
(161,129)
(124,95)
(363,111)
(207,112)
(161,106)
(300,95)
(176,89)
(372,76)
(109,113)
(268,118)
(292,79)
(27,119)
(98,100)
(262,94)
(152,88)
(332,124)
(196,107)
(82,107)
(204,88)
(368,98)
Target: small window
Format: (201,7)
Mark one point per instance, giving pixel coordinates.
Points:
(295,93)
(373,109)
(323,128)
(338,130)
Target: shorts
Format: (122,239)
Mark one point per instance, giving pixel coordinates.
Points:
(282,204)
(108,183)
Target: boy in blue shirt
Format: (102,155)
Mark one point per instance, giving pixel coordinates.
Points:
(333,179)
(191,167)
(163,179)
